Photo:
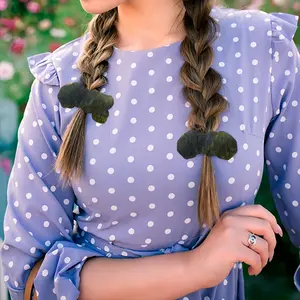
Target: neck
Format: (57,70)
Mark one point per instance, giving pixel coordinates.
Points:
(145,24)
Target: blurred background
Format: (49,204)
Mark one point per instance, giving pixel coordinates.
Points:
(29,27)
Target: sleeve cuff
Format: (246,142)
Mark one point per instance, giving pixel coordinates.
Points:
(297,278)
(59,274)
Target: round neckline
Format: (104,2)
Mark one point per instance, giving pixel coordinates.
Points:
(155,49)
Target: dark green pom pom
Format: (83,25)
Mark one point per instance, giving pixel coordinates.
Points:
(90,101)
(194,142)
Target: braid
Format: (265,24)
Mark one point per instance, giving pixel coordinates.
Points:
(93,64)
(201,86)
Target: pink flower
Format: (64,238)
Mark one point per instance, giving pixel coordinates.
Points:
(33,7)
(3,5)
(8,23)
(5,164)
(7,70)
(18,46)
(3,31)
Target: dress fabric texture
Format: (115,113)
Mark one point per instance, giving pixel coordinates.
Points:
(138,196)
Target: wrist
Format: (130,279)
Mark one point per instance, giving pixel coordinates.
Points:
(196,267)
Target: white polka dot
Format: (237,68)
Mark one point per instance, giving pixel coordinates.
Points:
(190,164)
(28,215)
(253,44)
(93,161)
(152,205)
(131,231)
(150,168)
(150,148)
(191,185)
(46,224)
(231,180)
(151,91)
(170,214)
(171,196)
(67,260)
(187,220)
(45,273)
(133,214)
(111,190)
(287,186)
(228,199)
(130,180)
(132,198)
(133,101)
(278,149)
(44,156)
(96,142)
(294,154)
(190,203)
(26,267)
(152,109)
(169,156)
(294,103)
(225,119)
(114,208)
(168,231)
(130,159)
(236,39)
(171,176)
(151,188)
(44,207)
(151,128)
(28,196)
(150,224)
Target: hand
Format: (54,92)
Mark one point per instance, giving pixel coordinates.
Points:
(227,243)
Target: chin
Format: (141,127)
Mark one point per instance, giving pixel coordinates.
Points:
(100,6)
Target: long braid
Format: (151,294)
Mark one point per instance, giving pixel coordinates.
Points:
(93,64)
(201,87)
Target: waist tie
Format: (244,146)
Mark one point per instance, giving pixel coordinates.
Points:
(111,250)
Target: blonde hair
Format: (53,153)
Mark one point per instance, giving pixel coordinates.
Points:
(201,87)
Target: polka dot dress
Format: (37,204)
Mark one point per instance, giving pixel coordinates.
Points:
(138,196)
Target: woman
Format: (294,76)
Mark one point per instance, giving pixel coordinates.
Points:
(160,69)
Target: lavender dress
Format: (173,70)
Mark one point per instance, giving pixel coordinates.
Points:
(138,196)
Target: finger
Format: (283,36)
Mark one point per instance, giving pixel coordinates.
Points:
(261,247)
(257,211)
(252,259)
(256,226)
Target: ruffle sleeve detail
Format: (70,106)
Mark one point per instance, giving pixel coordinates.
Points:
(283,26)
(41,66)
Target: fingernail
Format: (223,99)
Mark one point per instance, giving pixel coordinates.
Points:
(279,230)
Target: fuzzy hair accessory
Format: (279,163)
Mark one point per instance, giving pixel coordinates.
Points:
(76,94)
(220,144)
(191,143)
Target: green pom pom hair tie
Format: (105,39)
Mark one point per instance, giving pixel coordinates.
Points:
(194,142)
(90,101)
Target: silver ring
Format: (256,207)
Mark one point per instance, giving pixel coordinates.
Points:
(252,239)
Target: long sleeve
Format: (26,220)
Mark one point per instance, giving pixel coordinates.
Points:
(282,145)
(39,215)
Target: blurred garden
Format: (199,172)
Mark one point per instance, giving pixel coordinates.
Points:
(29,27)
